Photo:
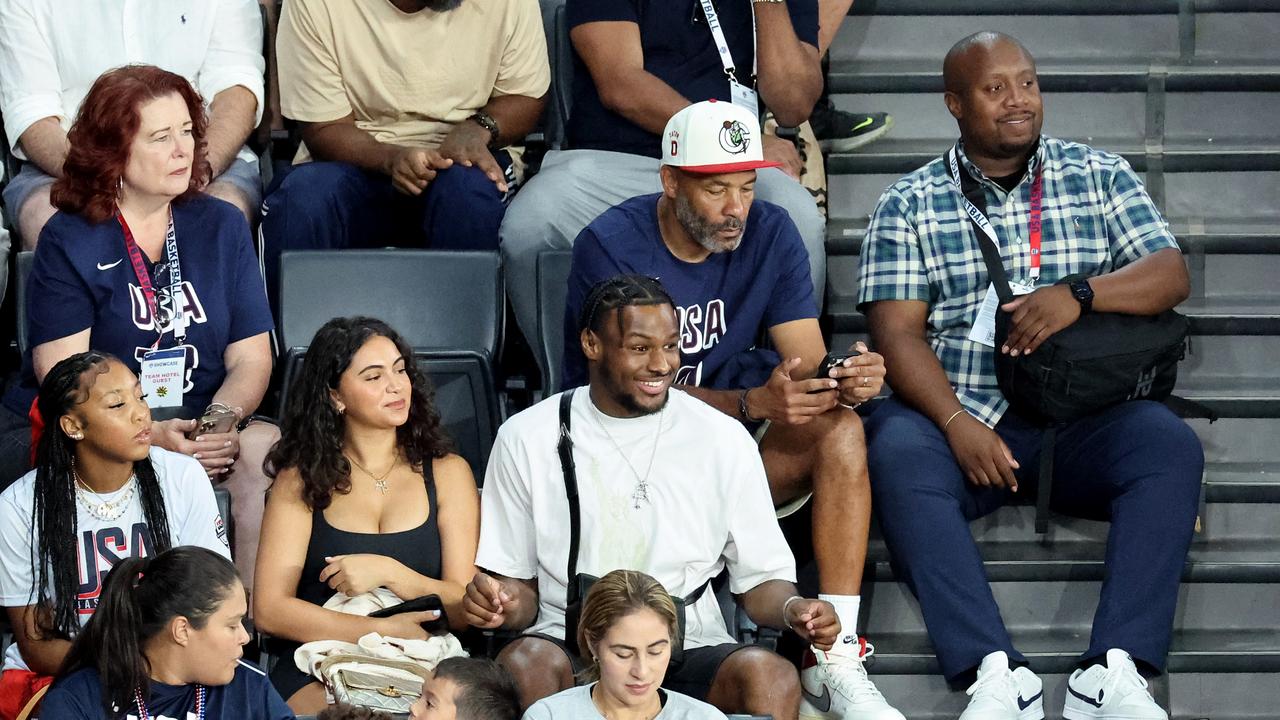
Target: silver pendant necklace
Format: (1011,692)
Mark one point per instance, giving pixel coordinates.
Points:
(107,510)
(641,492)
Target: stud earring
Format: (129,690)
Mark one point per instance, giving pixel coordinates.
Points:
(78,436)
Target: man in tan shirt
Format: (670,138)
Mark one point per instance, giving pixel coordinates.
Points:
(408,109)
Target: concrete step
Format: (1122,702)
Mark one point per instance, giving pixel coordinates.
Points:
(1056,652)
(1191,155)
(1222,561)
(1058,7)
(1242,482)
(1133,74)
(1240,525)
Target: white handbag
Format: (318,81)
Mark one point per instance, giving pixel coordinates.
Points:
(381,684)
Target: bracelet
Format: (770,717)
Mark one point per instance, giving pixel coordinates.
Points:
(785,605)
(768,2)
(742,406)
(954,415)
(223,407)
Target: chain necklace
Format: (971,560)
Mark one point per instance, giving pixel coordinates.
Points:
(379,481)
(99,508)
(143,714)
(642,482)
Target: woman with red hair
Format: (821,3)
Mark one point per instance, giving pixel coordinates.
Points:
(140,264)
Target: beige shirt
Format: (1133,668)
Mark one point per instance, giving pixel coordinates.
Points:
(407,77)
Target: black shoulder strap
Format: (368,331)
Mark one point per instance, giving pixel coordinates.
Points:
(972,190)
(565,448)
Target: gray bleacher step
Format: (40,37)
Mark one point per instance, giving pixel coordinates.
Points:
(1242,482)
(1084,75)
(1191,155)
(1208,235)
(1236,397)
(1219,561)
(1057,651)
(1055,7)
(1209,316)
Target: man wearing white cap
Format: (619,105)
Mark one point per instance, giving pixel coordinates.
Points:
(735,268)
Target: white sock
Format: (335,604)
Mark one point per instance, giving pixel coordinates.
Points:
(847,610)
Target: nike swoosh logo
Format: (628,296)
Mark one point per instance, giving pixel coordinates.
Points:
(1085,698)
(108,266)
(1024,704)
(820,703)
(863,124)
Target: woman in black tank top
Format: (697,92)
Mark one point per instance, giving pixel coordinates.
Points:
(368,494)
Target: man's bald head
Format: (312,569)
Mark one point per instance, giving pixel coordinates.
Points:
(966,55)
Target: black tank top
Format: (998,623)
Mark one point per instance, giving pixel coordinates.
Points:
(418,549)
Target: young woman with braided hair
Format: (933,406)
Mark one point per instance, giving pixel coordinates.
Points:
(165,643)
(100,493)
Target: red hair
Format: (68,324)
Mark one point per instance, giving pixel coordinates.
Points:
(104,131)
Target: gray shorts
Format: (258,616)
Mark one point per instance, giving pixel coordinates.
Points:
(243,175)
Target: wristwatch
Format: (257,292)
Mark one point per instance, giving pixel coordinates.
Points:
(1083,294)
(486,121)
(790,134)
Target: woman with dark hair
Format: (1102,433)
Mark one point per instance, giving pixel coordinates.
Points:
(625,632)
(138,262)
(368,494)
(100,493)
(165,643)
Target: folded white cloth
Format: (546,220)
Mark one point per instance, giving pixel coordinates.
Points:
(364,603)
(427,653)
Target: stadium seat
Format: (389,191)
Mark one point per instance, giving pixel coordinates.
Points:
(553,276)
(23,270)
(447,305)
(560,50)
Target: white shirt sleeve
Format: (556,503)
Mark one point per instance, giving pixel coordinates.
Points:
(17,576)
(193,510)
(508,540)
(234,56)
(756,550)
(30,85)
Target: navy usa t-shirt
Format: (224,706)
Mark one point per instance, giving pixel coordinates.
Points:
(678,49)
(722,302)
(249,696)
(82,278)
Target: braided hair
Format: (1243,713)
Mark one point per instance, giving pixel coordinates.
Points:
(53,515)
(618,292)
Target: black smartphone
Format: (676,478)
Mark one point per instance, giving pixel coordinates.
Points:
(420,604)
(830,361)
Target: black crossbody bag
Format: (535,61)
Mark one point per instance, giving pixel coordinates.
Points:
(580,583)
(1100,360)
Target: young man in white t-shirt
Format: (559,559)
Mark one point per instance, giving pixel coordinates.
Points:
(667,485)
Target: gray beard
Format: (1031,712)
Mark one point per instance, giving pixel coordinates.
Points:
(702,231)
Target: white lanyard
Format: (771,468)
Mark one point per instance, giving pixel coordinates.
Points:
(717,34)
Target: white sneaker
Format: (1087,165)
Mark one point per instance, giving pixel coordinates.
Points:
(1114,692)
(835,685)
(1003,694)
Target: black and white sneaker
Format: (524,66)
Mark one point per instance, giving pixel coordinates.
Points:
(1004,694)
(1112,692)
(840,131)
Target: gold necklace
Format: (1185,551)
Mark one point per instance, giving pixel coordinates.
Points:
(102,509)
(379,482)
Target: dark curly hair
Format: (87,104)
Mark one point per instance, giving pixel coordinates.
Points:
(54,546)
(312,429)
(103,132)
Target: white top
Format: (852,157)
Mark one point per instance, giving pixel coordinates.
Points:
(53,50)
(709,506)
(576,703)
(193,520)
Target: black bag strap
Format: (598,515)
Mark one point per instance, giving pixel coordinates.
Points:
(972,191)
(565,448)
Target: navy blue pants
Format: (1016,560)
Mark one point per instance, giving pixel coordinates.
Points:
(334,206)
(1136,464)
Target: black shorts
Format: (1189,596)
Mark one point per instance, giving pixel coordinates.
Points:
(693,676)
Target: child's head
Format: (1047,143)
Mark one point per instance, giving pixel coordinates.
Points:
(342,711)
(466,688)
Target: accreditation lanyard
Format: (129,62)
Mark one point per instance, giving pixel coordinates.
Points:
(979,219)
(176,296)
(717,34)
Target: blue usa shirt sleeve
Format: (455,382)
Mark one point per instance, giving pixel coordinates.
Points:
(590,265)
(61,303)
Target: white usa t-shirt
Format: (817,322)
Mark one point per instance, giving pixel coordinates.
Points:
(100,544)
(708,506)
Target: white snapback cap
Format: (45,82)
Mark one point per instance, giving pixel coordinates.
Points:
(713,137)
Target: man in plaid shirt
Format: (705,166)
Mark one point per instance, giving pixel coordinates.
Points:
(945,449)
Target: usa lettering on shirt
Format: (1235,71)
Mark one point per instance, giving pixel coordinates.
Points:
(100,550)
(701,327)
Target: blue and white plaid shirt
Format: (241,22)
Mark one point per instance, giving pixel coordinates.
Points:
(921,245)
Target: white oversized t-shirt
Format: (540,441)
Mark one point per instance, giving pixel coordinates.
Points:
(709,506)
(100,544)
